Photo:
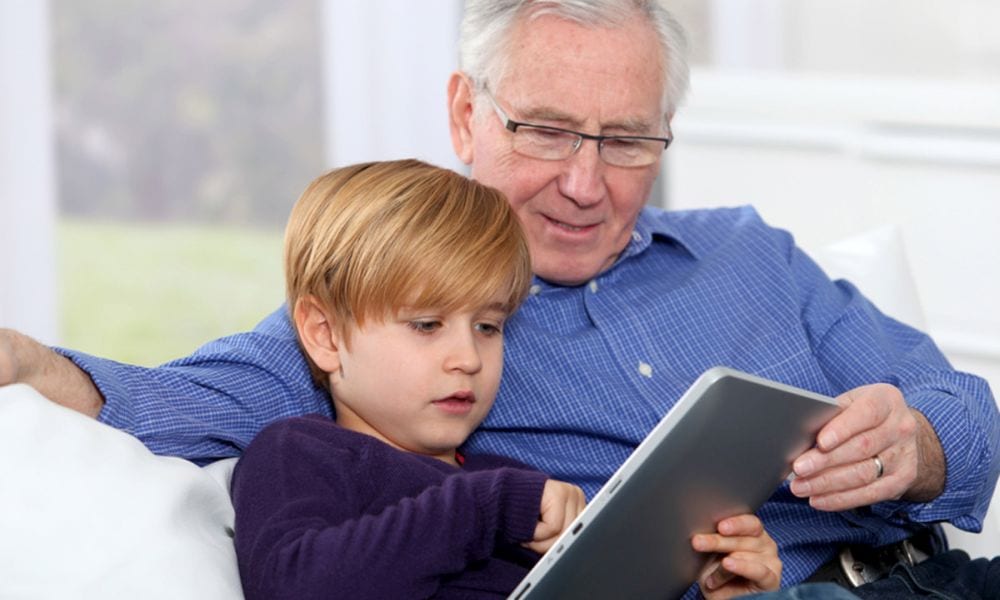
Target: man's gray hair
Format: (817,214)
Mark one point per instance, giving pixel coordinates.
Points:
(488,24)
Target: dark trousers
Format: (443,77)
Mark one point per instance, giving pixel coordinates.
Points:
(948,575)
(951,575)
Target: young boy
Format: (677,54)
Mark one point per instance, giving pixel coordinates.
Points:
(400,277)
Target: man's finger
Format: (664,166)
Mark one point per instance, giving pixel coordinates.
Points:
(847,468)
(880,491)
(864,408)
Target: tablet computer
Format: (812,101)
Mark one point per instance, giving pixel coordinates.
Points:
(722,450)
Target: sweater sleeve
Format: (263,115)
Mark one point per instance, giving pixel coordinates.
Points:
(303,529)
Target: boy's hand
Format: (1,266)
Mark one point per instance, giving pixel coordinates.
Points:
(561,503)
(746,559)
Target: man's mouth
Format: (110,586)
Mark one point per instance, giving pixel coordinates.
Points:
(568,226)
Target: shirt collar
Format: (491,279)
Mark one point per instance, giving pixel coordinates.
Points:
(658,223)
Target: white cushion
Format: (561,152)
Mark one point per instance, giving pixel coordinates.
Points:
(876,262)
(87,511)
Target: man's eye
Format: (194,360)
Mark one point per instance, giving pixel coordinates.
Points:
(425,326)
(623,144)
(537,135)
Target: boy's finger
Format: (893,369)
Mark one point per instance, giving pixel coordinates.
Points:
(719,577)
(545,530)
(751,568)
(741,525)
(711,542)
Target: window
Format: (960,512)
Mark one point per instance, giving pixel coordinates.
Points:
(184,133)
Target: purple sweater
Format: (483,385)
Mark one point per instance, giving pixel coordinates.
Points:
(324,512)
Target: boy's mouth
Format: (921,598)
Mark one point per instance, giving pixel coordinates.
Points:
(457,403)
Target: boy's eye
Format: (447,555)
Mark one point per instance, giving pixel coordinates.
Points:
(425,326)
(489,328)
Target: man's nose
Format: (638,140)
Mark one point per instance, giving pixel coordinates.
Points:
(582,180)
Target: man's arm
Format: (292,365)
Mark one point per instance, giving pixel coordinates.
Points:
(933,429)
(202,407)
(24,360)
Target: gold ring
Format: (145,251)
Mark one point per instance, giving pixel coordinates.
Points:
(879,466)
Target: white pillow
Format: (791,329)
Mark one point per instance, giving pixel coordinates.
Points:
(876,262)
(86,511)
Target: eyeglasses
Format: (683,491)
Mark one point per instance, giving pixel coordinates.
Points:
(554,143)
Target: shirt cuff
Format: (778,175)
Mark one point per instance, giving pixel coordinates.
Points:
(107,377)
(963,501)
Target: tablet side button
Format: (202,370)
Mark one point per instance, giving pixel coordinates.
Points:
(523,592)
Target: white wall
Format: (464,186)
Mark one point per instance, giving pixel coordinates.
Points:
(27,197)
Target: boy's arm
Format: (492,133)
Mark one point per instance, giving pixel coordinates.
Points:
(309,529)
(405,551)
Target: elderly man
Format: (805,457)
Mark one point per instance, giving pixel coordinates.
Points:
(566,107)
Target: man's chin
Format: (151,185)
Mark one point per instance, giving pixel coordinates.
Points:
(568,275)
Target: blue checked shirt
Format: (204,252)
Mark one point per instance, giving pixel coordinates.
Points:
(591,369)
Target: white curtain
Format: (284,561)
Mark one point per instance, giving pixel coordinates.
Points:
(386,67)
(27,173)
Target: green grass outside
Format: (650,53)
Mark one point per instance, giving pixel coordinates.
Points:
(145,294)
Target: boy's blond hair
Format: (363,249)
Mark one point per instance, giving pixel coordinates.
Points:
(369,239)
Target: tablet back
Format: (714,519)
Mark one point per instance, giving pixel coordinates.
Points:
(722,450)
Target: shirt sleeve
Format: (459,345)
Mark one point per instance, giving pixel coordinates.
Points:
(304,529)
(209,405)
(856,344)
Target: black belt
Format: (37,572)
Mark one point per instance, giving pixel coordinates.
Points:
(857,565)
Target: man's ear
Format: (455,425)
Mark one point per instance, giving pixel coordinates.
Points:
(318,334)
(460,99)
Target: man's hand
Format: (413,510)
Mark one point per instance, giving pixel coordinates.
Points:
(561,503)
(842,472)
(746,559)
(23,360)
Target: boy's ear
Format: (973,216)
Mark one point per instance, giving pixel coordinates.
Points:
(460,98)
(318,334)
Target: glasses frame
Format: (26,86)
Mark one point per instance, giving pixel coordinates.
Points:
(512,126)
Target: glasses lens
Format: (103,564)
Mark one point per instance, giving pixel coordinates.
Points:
(547,144)
(627,152)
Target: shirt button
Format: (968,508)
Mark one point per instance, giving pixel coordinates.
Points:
(593,286)
(645,369)
(535,289)
(636,236)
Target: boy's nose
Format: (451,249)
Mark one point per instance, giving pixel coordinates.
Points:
(464,354)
